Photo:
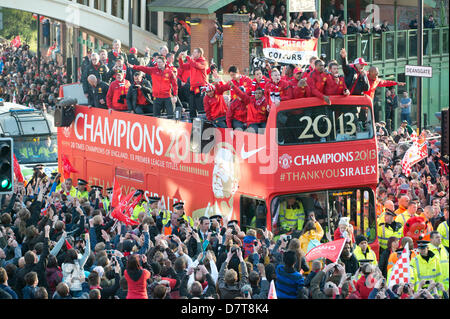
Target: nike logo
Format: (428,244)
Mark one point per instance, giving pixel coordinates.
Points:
(246,155)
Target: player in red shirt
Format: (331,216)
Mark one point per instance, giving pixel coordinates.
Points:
(335,84)
(197,66)
(257,109)
(299,87)
(277,90)
(214,103)
(164,85)
(259,80)
(237,111)
(375,81)
(239,80)
(288,72)
(310,68)
(117,93)
(317,79)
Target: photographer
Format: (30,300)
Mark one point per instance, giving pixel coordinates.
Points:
(198,279)
(139,96)
(228,282)
(117,92)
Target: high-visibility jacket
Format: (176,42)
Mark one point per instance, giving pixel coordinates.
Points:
(164,214)
(384,231)
(370,254)
(80,194)
(442,253)
(425,270)
(292,218)
(72,192)
(443,230)
(189,220)
(402,217)
(47,152)
(105,202)
(136,211)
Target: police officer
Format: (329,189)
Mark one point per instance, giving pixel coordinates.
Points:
(81,191)
(160,216)
(67,188)
(106,200)
(425,266)
(388,228)
(292,215)
(38,173)
(439,250)
(174,224)
(179,209)
(140,207)
(95,195)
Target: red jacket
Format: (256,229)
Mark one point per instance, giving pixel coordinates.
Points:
(163,81)
(236,111)
(257,110)
(215,106)
(116,89)
(333,87)
(373,84)
(362,289)
(299,92)
(198,76)
(316,81)
(244,81)
(277,91)
(137,289)
(184,71)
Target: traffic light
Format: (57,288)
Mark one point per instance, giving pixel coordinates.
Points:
(6,165)
(444,131)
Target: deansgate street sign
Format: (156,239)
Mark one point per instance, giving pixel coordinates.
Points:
(421,71)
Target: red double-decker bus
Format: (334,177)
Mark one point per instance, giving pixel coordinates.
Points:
(324,156)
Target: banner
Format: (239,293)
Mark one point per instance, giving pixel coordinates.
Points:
(331,251)
(302,5)
(417,152)
(400,273)
(16,41)
(289,50)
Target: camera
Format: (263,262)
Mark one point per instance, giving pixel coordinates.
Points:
(287,238)
(233,249)
(181,220)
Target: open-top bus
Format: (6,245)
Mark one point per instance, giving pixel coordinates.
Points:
(323,155)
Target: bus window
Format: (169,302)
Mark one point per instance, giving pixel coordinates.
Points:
(327,123)
(253,213)
(290,212)
(31,150)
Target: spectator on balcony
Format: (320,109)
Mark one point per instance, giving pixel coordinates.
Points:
(340,12)
(413,23)
(260,9)
(324,32)
(255,31)
(314,18)
(269,31)
(243,9)
(405,106)
(385,26)
(316,29)
(429,23)
(306,33)
(343,27)
(330,10)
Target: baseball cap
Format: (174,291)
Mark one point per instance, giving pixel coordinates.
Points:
(133,50)
(360,61)
(297,70)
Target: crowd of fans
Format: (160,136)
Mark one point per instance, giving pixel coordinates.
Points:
(24,82)
(60,241)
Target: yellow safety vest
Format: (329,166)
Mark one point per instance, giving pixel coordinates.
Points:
(443,230)
(136,211)
(73,191)
(291,218)
(105,202)
(80,194)
(403,217)
(384,232)
(442,253)
(369,255)
(423,270)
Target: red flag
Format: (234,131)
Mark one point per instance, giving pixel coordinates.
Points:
(16,41)
(118,214)
(17,170)
(331,250)
(117,190)
(129,209)
(68,246)
(67,167)
(272,291)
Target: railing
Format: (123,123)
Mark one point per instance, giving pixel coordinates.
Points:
(390,45)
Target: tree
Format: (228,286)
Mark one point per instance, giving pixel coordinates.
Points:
(16,22)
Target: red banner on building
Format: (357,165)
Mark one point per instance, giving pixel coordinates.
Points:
(331,251)
(289,50)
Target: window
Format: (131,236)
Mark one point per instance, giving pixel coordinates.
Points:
(130,174)
(253,213)
(32,150)
(321,124)
(291,212)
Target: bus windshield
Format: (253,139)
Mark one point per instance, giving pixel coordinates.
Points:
(291,212)
(325,123)
(33,150)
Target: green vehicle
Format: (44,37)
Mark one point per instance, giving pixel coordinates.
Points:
(34,136)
